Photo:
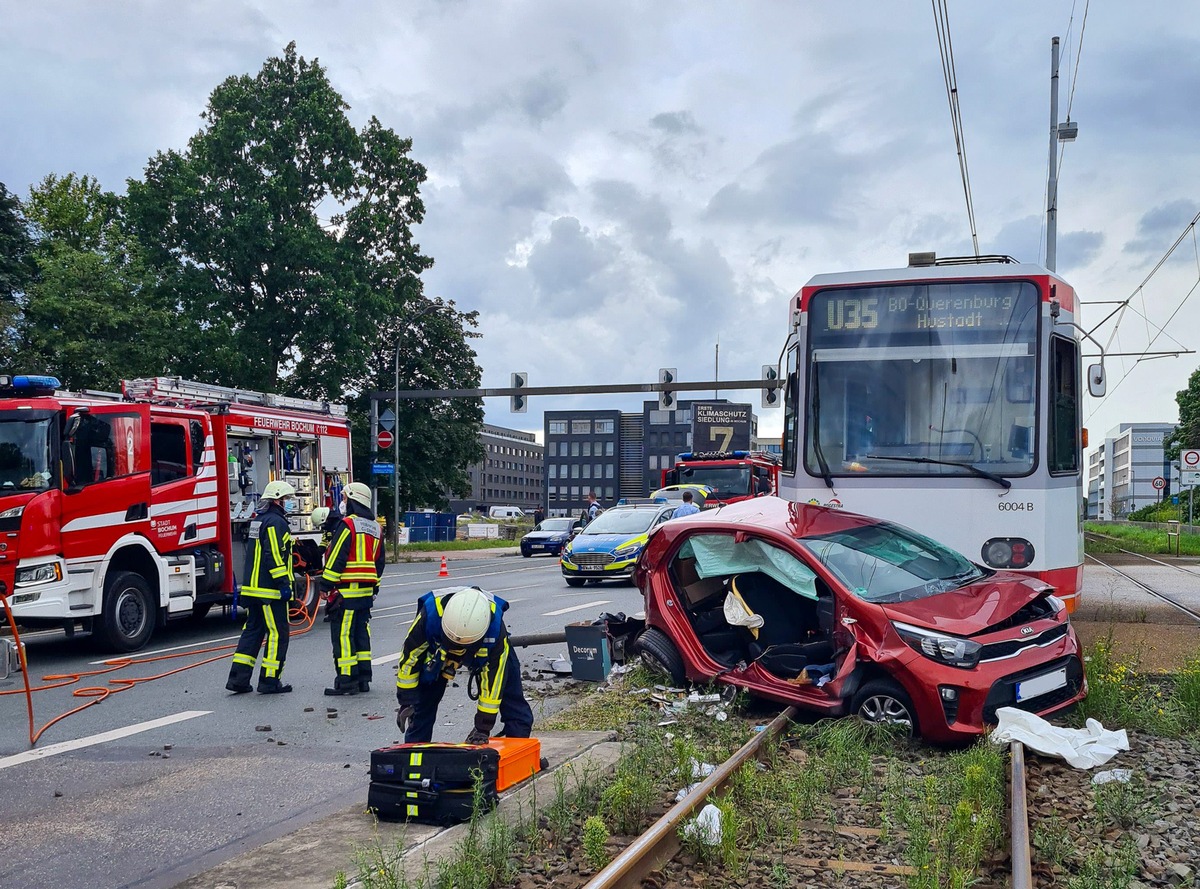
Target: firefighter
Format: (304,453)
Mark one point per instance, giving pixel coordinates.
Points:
(353,565)
(265,593)
(456,628)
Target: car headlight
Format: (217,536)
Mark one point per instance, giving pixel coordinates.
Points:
(627,551)
(951,650)
(38,574)
(13,512)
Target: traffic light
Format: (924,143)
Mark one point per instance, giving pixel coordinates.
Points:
(519,403)
(666,398)
(770,397)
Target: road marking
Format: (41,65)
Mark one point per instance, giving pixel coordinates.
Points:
(104,737)
(145,654)
(576,608)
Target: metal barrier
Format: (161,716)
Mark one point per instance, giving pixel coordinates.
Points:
(1173,531)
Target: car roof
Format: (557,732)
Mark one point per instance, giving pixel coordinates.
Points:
(797,520)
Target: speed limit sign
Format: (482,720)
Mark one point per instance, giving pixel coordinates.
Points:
(1159,483)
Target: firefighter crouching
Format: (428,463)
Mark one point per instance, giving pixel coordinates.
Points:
(353,564)
(453,628)
(265,593)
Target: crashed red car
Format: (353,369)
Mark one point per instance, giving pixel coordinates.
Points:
(843,614)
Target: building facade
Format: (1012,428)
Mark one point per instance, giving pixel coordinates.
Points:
(613,454)
(1121,471)
(511,474)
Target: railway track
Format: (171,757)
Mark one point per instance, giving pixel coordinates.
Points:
(1192,613)
(654,849)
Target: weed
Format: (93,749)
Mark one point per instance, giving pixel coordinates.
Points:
(1053,841)
(1122,803)
(595,840)
(1110,868)
(780,877)
(561,813)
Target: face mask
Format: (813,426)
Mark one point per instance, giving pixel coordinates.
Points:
(289,506)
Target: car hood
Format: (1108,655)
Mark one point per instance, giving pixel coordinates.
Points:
(546,535)
(972,609)
(603,543)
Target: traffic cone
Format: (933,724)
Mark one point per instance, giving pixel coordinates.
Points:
(443,572)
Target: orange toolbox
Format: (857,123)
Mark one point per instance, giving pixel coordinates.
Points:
(520,758)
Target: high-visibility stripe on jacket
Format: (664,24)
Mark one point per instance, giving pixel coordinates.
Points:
(428,654)
(268,556)
(354,560)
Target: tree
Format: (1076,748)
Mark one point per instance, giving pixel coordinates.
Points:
(1187,433)
(285,238)
(90,316)
(17,270)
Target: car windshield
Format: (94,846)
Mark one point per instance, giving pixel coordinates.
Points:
(24,454)
(885,563)
(555,525)
(724,480)
(622,521)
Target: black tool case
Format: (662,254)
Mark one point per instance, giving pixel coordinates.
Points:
(432,783)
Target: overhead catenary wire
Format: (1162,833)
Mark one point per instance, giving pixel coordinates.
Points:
(941,17)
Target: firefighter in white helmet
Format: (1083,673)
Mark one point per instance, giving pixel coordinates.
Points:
(353,565)
(265,592)
(460,627)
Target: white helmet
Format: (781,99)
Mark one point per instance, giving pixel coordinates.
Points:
(278,491)
(359,493)
(467,616)
(319,515)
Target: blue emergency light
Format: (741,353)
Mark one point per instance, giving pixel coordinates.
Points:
(30,384)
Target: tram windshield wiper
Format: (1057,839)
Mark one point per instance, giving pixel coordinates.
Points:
(816,425)
(970,467)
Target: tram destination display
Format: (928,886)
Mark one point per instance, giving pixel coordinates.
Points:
(985,307)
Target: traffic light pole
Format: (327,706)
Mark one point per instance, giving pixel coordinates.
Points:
(608,389)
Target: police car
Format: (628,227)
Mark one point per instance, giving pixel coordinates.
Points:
(608,548)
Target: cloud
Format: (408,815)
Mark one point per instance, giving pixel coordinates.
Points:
(1159,227)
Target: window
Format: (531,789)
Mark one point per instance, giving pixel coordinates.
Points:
(574,449)
(1064,405)
(608,473)
(553,471)
(598,471)
(587,470)
(106,446)
(574,493)
(574,470)
(197,433)
(587,449)
(604,427)
(654,462)
(660,418)
(581,427)
(608,493)
(608,449)
(168,453)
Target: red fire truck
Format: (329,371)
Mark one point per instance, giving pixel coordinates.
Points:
(121,512)
(733,475)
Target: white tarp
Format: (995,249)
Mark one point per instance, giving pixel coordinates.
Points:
(1083,748)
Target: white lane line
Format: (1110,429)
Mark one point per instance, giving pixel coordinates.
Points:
(576,608)
(104,737)
(450,581)
(145,654)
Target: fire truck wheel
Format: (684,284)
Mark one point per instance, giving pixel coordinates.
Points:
(199,612)
(311,594)
(129,612)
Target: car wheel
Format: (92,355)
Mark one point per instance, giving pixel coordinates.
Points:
(525,554)
(659,653)
(574,581)
(129,612)
(884,702)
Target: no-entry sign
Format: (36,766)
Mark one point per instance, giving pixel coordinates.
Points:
(384,439)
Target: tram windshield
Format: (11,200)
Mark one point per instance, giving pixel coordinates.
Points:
(929,379)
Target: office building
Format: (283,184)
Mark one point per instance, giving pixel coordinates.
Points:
(511,473)
(1121,471)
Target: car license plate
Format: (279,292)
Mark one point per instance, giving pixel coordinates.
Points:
(1039,685)
(591,568)
(537,546)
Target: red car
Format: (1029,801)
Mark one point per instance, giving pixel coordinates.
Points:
(840,613)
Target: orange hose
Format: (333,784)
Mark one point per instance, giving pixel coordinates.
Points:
(297,617)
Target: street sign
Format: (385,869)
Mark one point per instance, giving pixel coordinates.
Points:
(384,439)
(1189,460)
(382,469)
(1190,479)
(387,420)
(1159,483)
(1174,499)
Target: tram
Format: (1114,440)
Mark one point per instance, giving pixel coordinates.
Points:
(945,396)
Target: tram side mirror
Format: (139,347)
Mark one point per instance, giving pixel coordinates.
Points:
(1096,381)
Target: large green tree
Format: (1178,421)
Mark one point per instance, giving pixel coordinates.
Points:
(284,236)
(90,317)
(17,270)
(1187,433)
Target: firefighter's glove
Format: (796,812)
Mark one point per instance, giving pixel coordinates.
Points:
(477,737)
(404,716)
(334,601)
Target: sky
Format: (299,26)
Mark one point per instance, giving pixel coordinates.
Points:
(618,187)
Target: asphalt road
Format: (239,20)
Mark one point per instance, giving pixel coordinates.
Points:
(85,810)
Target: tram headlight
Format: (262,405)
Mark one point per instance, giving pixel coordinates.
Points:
(1007,552)
(951,650)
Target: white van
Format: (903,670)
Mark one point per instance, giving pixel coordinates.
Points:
(506,512)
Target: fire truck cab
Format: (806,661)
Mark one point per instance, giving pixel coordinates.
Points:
(733,475)
(122,511)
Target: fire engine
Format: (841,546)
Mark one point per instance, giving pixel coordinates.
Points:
(122,511)
(733,475)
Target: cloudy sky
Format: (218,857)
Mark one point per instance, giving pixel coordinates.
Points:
(619,186)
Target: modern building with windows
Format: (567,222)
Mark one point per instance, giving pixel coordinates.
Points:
(511,473)
(613,454)
(1121,471)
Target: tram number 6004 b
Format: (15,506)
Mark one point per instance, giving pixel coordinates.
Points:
(1015,506)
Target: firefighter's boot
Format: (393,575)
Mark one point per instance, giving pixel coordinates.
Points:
(272,686)
(239,679)
(344,685)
